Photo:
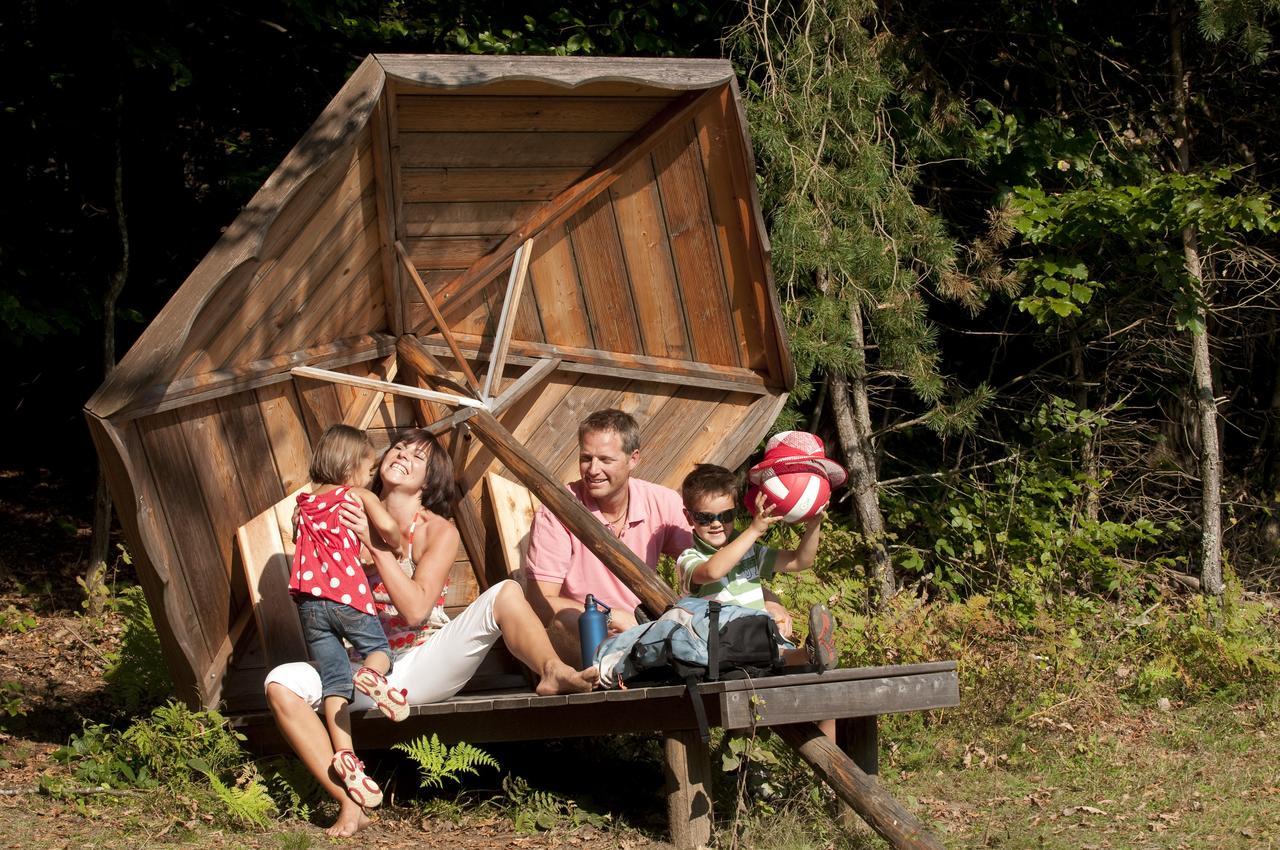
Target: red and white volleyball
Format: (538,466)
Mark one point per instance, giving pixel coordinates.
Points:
(795,496)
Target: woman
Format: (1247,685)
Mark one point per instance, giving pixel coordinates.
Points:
(435,659)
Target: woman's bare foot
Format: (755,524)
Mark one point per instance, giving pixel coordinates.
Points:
(351,819)
(560,678)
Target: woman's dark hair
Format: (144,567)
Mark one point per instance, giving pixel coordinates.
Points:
(439,489)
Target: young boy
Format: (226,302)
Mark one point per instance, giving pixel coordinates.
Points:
(731,567)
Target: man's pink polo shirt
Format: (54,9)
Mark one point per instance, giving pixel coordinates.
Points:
(655,524)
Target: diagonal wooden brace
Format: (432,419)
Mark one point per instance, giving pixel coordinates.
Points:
(621,561)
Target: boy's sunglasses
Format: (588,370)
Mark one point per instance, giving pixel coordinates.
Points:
(724,517)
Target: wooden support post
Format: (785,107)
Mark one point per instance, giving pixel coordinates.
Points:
(439,319)
(687,766)
(620,560)
(507,321)
(859,739)
(895,824)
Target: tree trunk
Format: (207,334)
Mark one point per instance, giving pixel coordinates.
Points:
(1089,453)
(852,410)
(1201,366)
(100,543)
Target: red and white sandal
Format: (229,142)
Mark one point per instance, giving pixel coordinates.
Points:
(360,788)
(393,702)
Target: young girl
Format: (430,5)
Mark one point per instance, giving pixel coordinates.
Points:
(334,598)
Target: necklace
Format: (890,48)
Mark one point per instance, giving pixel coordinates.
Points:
(615,524)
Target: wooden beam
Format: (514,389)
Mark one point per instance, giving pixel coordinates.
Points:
(385,187)
(424,363)
(592,361)
(565,75)
(620,560)
(361,413)
(384,386)
(532,377)
(885,815)
(507,321)
(463,366)
(260,373)
(571,200)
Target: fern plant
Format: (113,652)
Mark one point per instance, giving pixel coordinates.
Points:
(247,802)
(438,762)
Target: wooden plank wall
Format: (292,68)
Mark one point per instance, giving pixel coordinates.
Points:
(214,465)
(665,263)
(318,275)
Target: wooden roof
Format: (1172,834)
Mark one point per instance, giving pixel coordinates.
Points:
(389,242)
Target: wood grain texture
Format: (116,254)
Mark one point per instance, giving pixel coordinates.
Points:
(259,373)
(181,642)
(554,283)
(494,183)
(647,253)
(156,353)
(570,201)
(530,150)
(238,314)
(563,73)
(448,252)
(602,270)
(286,432)
(465,218)
(740,256)
(490,114)
(687,771)
(265,547)
(186,515)
(386,172)
(694,249)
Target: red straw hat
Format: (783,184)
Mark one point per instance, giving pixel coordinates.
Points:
(796,451)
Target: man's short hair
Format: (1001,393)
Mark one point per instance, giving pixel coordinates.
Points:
(611,419)
(707,479)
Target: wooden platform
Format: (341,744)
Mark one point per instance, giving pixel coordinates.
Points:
(484,717)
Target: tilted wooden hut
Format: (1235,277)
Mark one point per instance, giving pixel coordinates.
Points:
(589,225)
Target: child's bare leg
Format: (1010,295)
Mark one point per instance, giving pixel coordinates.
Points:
(378,661)
(337,719)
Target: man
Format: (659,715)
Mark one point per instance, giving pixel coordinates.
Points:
(648,518)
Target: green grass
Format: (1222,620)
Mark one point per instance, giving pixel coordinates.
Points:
(1203,776)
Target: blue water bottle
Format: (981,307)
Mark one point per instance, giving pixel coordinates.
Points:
(592,627)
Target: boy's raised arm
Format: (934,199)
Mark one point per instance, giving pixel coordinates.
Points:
(801,557)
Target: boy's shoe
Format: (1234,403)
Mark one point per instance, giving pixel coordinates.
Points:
(822,638)
(393,702)
(360,788)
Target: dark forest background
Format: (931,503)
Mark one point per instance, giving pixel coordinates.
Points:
(1027,250)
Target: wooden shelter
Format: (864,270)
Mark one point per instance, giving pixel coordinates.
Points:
(494,248)
(590,226)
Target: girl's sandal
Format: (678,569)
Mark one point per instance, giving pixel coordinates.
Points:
(393,702)
(360,788)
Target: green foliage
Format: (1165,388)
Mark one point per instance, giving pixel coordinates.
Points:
(137,676)
(536,811)
(1201,646)
(852,246)
(248,801)
(291,786)
(1022,536)
(1139,228)
(13,621)
(438,762)
(12,702)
